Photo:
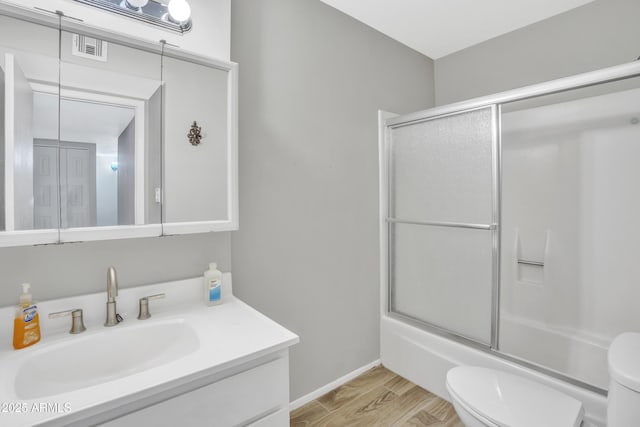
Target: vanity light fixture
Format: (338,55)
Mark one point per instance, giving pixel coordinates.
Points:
(174,15)
(136,5)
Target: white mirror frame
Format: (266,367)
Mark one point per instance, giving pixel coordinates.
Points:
(53,236)
(231,223)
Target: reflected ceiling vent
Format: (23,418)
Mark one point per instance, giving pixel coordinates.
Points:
(174,15)
(88,47)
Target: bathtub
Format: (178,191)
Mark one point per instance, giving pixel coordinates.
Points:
(424,358)
(574,353)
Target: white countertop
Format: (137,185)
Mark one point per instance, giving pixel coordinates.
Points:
(229,334)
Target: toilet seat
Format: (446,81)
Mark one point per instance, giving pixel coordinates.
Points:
(501,399)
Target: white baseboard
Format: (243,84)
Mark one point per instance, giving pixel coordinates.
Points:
(332,385)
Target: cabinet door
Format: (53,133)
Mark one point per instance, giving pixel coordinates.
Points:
(200,146)
(236,400)
(110,137)
(29,63)
(277,419)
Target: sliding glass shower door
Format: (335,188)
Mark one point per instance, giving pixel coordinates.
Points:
(511,221)
(442,223)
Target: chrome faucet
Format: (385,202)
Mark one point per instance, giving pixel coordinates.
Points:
(113,318)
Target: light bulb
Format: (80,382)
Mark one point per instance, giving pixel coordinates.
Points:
(179,10)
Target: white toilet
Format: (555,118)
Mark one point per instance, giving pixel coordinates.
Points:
(623,403)
(485,397)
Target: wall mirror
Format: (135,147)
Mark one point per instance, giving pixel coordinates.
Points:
(199,175)
(29,67)
(110,137)
(97,131)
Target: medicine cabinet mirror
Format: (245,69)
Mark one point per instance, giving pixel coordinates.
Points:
(28,65)
(200,171)
(110,138)
(97,132)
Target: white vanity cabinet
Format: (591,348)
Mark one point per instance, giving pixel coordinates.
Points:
(188,365)
(254,394)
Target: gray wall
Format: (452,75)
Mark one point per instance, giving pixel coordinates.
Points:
(56,271)
(311,82)
(600,34)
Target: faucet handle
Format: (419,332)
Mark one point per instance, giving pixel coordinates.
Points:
(144,305)
(77,324)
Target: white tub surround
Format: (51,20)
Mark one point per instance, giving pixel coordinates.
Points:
(228,363)
(576,353)
(424,358)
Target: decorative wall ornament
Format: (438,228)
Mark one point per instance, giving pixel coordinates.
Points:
(195,134)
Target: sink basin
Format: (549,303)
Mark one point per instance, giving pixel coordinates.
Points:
(113,353)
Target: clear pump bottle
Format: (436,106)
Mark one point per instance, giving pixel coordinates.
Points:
(213,285)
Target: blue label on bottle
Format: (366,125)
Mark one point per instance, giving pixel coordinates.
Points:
(29,313)
(214,293)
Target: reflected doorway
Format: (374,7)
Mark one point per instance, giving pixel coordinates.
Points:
(95,164)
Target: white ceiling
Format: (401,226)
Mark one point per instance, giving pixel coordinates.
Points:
(437,28)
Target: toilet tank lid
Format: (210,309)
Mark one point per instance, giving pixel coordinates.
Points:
(624,360)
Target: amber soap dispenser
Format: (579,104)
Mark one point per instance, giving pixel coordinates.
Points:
(26,325)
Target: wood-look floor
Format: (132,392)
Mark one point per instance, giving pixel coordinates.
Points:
(377,398)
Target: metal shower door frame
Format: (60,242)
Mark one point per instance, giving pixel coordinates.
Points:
(493,227)
(496,101)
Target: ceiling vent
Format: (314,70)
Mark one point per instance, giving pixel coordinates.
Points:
(88,47)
